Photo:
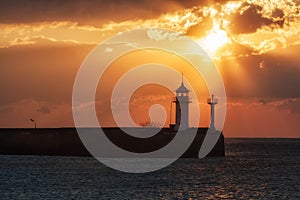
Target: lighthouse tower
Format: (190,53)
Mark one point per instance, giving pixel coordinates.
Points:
(212,102)
(182,107)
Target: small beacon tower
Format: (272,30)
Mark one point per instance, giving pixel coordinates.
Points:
(182,107)
(212,102)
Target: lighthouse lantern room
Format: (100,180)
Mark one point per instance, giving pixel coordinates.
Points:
(182,107)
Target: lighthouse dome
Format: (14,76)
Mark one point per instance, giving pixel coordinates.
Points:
(182,89)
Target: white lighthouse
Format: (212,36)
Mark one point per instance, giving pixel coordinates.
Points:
(212,102)
(182,107)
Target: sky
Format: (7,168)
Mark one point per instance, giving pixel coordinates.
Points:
(255,45)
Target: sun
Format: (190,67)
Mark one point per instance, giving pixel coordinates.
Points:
(214,40)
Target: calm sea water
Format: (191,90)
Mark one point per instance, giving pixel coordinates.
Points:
(252,169)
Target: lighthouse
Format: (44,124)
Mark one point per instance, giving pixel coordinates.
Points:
(212,102)
(182,107)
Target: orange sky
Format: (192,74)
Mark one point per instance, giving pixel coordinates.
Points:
(254,45)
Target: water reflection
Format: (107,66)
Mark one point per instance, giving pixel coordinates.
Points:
(257,168)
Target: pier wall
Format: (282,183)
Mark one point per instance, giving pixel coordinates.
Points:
(66,142)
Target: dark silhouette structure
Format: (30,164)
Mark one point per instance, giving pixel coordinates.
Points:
(66,141)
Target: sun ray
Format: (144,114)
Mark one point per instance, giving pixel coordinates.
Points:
(215,39)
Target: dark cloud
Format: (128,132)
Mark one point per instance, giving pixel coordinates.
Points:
(262,101)
(278,14)
(88,12)
(44,110)
(293,105)
(278,78)
(251,19)
(290,104)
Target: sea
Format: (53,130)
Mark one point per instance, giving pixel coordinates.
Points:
(251,169)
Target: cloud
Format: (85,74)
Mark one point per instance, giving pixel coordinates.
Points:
(159,35)
(44,109)
(279,76)
(236,49)
(264,117)
(287,104)
(69,32)
(259,25)
(293,105)
(92,12)
(200,29)
(44,73)
(39,41)
(250,17)
(278,14)
(18,113)
(108,50)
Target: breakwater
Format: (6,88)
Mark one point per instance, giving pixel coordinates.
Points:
(66,142)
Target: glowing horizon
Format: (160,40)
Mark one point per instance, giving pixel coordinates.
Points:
(254,45)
